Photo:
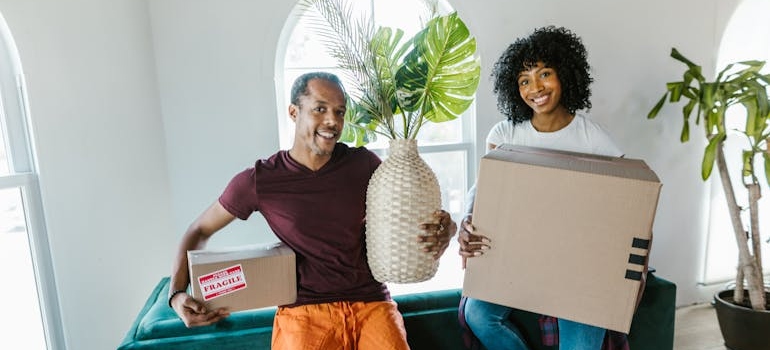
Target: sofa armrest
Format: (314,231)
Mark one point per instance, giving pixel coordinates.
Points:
(158,327)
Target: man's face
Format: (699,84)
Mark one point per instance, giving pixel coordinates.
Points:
(318,118)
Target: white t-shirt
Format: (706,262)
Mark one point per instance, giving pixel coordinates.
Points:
(580,135)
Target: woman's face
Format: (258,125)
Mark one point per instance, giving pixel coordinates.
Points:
(540,88)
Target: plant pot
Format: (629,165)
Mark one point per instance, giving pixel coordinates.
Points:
(402,194)
(742,327)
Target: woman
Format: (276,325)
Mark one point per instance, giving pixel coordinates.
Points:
(541,82)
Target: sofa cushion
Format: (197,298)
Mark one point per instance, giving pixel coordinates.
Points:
(160,321)
(430,319)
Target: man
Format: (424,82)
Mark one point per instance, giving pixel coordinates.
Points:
(313,197)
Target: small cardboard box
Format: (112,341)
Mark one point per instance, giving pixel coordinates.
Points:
(570,233)
(243,278)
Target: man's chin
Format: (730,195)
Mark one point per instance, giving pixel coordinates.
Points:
(323,151)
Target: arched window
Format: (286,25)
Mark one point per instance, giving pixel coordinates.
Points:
(447,147)
(745,38)
(29,296)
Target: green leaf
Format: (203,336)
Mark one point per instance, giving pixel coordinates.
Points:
(738,83)
(766,155)
(691,93)
(764,77)
(710,155)
(760,92)
(687,109)
(748,157)
(751,117)
(654,112)
(763,127)
(723,71)
(679,57)
(387,51)
(685,136)
(757,65)
(441,71)
(359,126)
(708,90)
(676,91)
(431,76)
(694,73)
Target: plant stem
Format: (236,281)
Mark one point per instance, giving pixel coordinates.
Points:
(755,193)
(746,263)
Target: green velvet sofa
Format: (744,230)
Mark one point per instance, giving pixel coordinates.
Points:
(430,319)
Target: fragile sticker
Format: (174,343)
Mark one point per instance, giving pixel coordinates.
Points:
(222,282)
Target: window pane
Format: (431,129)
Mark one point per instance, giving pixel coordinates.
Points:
(304,53)
(22,327)
(305,49)
(450,170)
(407,15)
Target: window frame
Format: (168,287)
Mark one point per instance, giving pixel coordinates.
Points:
(719,231)
(467,144)
(23,175)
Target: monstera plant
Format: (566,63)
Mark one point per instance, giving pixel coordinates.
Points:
(738,84)
(397,84)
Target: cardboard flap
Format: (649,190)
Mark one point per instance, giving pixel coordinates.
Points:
(207,256)
(574,161)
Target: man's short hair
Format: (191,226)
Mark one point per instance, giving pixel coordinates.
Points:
(299,88)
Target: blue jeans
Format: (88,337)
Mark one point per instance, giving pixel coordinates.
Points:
(491,325)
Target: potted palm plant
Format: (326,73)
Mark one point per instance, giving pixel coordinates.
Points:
(738,84)
(398,85)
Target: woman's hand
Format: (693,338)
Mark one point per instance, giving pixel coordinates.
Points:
(438,234)
(471,244)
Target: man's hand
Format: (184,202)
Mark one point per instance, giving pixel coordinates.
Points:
(193,313)
(471,244)
(437,236)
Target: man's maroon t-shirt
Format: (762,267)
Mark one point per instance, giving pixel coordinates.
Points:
(320,215)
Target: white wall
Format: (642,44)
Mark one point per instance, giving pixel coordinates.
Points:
(215,64)
(142,110)
(99,136)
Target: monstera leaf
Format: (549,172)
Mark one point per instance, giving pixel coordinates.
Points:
(399,84)
(439,77)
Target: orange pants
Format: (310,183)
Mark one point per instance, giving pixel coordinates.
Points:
(340,326)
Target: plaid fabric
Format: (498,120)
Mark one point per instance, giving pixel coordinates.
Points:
(469,339)
(549,332)
(615,341)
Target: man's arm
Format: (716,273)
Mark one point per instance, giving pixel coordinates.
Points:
(191,311)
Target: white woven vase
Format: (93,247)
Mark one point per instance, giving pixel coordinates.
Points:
(402,194)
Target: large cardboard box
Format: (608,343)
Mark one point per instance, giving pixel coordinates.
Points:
(569,232)
(243,278)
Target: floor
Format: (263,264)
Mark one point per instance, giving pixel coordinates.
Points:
(696,328)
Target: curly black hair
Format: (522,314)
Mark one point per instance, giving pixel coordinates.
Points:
(557,48)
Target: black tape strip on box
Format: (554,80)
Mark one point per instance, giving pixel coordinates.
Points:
(641,243)
(636,259)
(634,275)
